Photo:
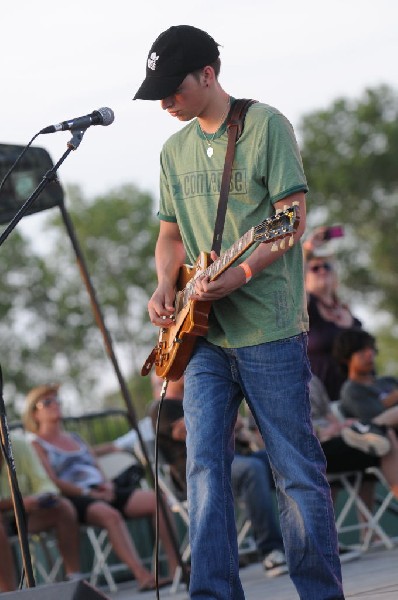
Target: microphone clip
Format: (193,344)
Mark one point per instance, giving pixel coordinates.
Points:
(77,136)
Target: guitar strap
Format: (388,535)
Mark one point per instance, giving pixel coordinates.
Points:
(235,124)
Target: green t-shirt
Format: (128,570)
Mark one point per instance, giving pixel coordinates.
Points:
(267,167)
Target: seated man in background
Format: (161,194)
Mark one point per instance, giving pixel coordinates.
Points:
(365,396)
(342,454)
(44,507)
(251,474)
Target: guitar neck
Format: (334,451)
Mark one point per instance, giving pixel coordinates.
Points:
(222,263)
(277,227)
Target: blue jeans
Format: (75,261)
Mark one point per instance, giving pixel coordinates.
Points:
(252,482)
(273,378)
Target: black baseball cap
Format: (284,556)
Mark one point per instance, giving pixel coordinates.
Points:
(178,51)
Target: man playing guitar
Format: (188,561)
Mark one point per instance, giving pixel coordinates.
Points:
(255,343)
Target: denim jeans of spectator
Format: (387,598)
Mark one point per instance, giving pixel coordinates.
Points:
(252,483)
(273,378)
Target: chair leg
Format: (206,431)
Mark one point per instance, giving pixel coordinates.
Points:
(49,568)
(102,548)
(371,521)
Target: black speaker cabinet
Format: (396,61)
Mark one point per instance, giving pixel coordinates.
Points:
(66,590)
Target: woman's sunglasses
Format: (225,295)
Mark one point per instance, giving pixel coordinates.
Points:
(46,402)
(325,265)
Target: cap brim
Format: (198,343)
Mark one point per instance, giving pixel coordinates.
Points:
(158,88)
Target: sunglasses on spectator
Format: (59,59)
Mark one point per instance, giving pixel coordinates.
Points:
(46,402)
(325,265)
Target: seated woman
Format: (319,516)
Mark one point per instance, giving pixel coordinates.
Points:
(328,314)
(72,466)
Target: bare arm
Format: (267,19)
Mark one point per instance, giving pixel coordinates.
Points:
(260,259)
(105,448)
(391,399)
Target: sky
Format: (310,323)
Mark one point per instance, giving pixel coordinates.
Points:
(60,60)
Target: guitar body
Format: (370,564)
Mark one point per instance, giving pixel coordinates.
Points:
(177,342)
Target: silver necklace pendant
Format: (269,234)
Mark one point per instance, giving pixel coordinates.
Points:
(209,151)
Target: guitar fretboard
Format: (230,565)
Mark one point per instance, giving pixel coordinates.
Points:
(221,263)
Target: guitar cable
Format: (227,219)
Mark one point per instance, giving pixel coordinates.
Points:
(185,576)
(162,396)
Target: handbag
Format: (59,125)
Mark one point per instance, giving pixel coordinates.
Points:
(130,478)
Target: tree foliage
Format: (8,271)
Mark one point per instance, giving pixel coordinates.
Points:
(350,157)
(116,233)
(25,280)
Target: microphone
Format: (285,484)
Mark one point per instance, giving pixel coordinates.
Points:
(102,116)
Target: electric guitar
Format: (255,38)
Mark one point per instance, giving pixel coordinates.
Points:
(190,319)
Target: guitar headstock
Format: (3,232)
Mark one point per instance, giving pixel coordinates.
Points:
(279,226)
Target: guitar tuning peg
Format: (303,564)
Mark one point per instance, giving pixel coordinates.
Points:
(291,241)
(282,244)
(274,247)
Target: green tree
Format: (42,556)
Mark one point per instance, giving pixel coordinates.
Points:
(350,156)
(47,326)
(116,233)
(25,280)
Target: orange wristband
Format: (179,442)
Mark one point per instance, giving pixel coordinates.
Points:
(247,270)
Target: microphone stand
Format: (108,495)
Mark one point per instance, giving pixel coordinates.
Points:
(16,497)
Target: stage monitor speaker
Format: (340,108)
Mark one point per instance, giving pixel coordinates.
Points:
(66,590)
(24,179)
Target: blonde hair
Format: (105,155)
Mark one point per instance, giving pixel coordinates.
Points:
(31,401)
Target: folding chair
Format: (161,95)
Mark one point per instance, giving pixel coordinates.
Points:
(46,561)
(351,482)
(386,501)
(246,541)
(101,548)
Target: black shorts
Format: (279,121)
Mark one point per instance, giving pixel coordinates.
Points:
(81,503)
(341,457)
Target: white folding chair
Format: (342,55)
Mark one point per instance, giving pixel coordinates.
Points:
(351,482)
(47,563)
(387,500)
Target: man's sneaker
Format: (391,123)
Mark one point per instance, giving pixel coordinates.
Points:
(369,438)
(275,563)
